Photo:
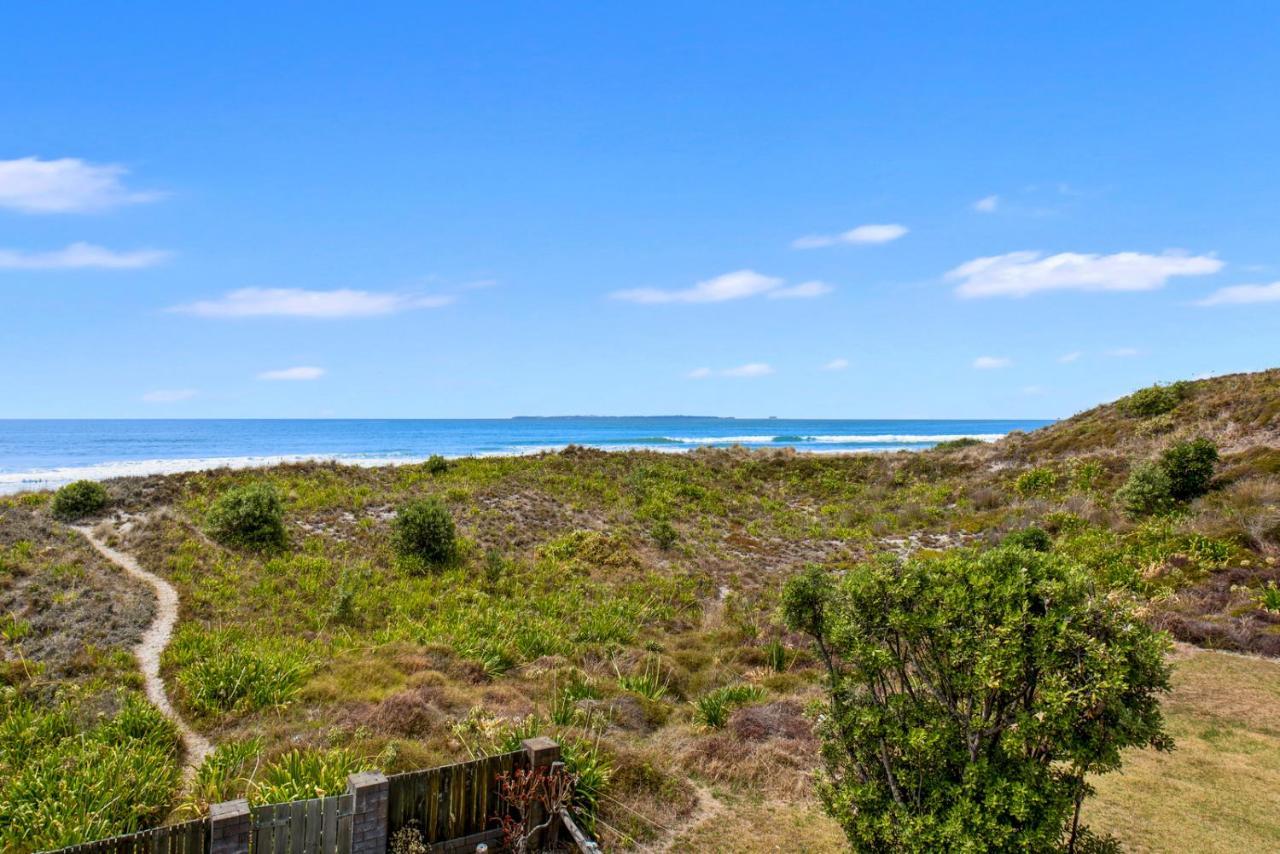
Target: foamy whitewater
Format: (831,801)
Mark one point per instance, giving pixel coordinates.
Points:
(40,454)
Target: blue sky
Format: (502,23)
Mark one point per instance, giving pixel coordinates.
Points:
(794,209)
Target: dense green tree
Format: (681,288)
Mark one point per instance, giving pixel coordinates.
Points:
(250,515)
(425,530)
(1190,468)
(77,499)
(971,695)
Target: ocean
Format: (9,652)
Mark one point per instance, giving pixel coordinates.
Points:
(39,454)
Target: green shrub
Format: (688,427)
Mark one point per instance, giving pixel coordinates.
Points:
(425,530)
(1067,679)
(79,499)
(240,680)
(712,709)
(1032,538)
(1036,481)
(957,444)
(775,653)
(1148,490)
(436,464)
(251,516)
(649,683)
(1154,400)
(664,534)
(1190,468)
(1268,598)
(73,772)
(302,774)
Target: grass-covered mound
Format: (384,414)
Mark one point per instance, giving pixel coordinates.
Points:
(627,602)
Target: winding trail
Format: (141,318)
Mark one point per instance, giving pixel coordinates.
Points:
(148,651)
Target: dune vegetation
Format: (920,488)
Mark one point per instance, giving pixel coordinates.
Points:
(336,618)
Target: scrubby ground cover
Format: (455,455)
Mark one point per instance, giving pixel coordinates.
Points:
(627,603)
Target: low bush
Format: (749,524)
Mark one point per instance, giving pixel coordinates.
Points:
(62,784)
(649,683)
(302,774)
(1148,490)
(241,680)
(712,709)
(1154,400)
(1032,538)
(425,530)
(957,444)
(78,499)
(664,534)
(1190,468)
(436,464)
(250,516)
(1035,482)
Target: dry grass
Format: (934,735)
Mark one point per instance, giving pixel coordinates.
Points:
(1219,791)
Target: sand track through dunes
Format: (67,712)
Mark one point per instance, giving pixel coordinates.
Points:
(149,649)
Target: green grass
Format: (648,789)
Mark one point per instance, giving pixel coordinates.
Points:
(63,782)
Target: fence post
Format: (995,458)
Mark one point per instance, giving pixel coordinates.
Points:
(543,753)
(368,812)
(229,827)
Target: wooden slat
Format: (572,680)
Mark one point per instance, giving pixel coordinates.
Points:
(432,806)
(311,844)
(329,828)
(297,826)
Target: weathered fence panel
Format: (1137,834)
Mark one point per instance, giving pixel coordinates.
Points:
(453,807)
(190,837)
(316,826)
(451,802)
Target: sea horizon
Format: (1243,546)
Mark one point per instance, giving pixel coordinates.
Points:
(43,453)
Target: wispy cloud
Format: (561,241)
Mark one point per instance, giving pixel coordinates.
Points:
(1019,274)
(169,395)
(836,365)
(82,256)
(988,363)
(67,185)
(297,302)
(1068,358)
(739,284)
(1033,390)
(804,290)
(747,371)
(862,235)
(303,372)
(1124,352)
(1243,295)
(987,204)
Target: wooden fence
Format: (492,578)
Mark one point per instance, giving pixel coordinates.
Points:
(190,837)
(316,826)
(454,802)
(453,807)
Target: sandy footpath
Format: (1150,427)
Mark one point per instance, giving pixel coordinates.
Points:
(150,648)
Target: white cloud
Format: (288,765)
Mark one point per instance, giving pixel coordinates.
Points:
(987,204)
(1032,390)
(836,365)
(754,369)
(1068,358)
(739,284)
(82,256)
(1124,352)
(1243,295)
(747,371)
(169,395)
(987,363)
(804,290)
(68,185)
(296,302)
(730,286)
(305,372)
(863,234)
(1018,274)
